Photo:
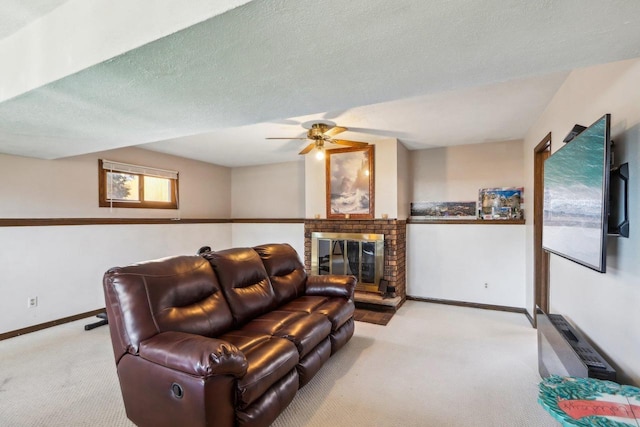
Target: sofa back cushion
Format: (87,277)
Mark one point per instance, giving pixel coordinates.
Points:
(172,294)
(244,281)
(285,270)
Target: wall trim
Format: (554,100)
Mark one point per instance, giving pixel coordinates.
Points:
(45,222)
(519,310)
(267,220)
(531,320)
(34,328)
(468,221)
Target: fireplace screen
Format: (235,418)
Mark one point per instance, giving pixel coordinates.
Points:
(361,255)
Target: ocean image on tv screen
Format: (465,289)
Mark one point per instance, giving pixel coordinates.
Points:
(573,206)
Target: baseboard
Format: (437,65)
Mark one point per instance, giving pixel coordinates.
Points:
(469,304)
(46,325)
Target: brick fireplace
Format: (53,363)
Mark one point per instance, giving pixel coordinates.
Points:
(394,232)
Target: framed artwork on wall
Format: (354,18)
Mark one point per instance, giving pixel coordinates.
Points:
(444,210)
(501,203)
(350,183)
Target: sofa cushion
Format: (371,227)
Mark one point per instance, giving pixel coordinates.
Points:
(304,303)
(340,337)
(244,282)
(337,310)
(303,329)
(264,411)
(179,294)
(309,366)
(285,270)
(269,359)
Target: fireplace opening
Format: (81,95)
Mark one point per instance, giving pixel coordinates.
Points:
(381,281)
(361,255)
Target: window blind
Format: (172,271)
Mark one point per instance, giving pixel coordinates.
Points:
(136,169)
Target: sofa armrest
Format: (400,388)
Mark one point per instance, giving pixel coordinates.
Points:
(333,285)
(194,354)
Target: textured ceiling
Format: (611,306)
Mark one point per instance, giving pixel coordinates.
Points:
(429,73)
(18,13)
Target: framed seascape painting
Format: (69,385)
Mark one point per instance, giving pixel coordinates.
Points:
(350,189)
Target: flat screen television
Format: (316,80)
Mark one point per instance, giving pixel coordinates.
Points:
(576,195)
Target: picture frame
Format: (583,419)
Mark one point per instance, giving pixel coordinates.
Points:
(501,203)
(444,210)
(350,183)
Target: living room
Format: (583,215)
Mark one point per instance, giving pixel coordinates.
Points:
(58,242)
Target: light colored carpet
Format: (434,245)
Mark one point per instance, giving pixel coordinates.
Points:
(432,365)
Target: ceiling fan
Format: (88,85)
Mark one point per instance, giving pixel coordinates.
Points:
(323,131)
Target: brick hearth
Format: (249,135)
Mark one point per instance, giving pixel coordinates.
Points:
(395,237)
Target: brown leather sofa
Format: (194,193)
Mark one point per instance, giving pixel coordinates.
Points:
(225,338)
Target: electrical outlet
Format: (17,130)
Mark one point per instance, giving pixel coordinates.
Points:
(32,302)
(486,285)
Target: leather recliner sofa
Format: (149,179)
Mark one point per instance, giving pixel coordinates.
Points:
(222,339)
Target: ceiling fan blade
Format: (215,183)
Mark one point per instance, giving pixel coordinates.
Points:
(334,131)
(349,143)
(308,148)
(289,138)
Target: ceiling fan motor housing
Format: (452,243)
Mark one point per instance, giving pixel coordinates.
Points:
(317,131)
(317,135)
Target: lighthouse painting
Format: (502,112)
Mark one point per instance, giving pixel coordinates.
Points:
(350,191)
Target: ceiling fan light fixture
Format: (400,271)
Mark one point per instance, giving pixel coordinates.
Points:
(319,132)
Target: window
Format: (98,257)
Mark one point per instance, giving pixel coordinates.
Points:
(130,186)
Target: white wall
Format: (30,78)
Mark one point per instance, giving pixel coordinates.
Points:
(268,191)
(457,173)
(605,307)
(386,178)
(68,188)
(63,265)
(248,235)
(314,188)
(454,261)
(405,186)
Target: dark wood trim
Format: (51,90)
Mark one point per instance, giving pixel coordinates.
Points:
(469,304)
(43,222)
(353,220)
(540,257)
(467,221)
(267,220)
(46,325)
(530,319)
(103,202)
